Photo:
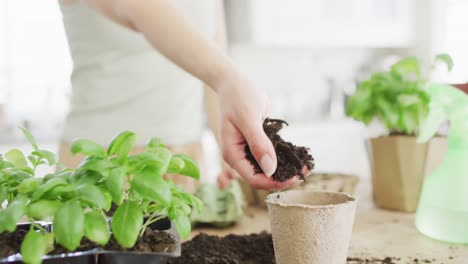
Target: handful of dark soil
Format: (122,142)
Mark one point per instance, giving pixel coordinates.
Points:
(291,159)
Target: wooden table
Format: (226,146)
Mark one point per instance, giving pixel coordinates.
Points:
(377,234)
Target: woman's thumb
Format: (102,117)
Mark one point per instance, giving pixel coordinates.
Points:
(262,149)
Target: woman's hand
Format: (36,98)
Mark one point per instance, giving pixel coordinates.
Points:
(243,109)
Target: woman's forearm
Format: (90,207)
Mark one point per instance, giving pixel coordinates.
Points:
(172,34)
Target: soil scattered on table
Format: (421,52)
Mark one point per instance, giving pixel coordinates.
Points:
(231,249)
(291,159)
(151,241)
(253,249)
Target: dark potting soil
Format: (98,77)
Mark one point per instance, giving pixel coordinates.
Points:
(10,242)
(253,249)
(231,249)
(151,241)
(291,159)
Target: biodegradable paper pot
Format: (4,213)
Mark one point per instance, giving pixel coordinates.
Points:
(311,226)
(399,165)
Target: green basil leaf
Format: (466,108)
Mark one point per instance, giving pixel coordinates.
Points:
(33,159)
(93,195)
(49,241)
(149,184)
(126,223)
(33,247)
(98,165)
(122,145)
(96,227)
(155,142)
(69,225)
(158,158)
(61,192)
(5,164)
(190,167)
(86,177)
(43,209)
(108,199)
(191,200)
(29,185)
(182,223)
(10,216)
(87,148)
(176,165)
(30,138)
(48,155)
(3,194)
(115,184)
(407,66)
(47,187)
(16,157)
(445,58)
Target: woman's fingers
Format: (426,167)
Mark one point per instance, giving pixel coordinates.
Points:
(234,154)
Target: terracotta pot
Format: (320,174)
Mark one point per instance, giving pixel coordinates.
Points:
(463,87)
(399,166)
(311,226)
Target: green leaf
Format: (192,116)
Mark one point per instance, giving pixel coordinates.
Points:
(122,145)
(16,157)
(108,199)
(29,185)
(98,165)
(3,194)
(5,164)
(445,58)
(81,177)
(96,227)
(10,216)
(43,209)
(29,137)
(88,148)
(61,192)
(154,143)
(407,66)
(48,155)
(190,167)
(115,184)
(93,195)
(49,241)
(126,223)
(182,223)
(191,200)
(149,184)
(69,225)
(33,247)
(158,158)
(176,165)
(47,187)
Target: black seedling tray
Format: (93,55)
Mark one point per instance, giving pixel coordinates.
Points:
(97,256)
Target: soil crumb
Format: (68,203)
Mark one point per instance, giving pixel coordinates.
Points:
(231,249)
(291,159)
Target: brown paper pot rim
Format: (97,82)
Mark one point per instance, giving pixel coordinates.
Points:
(309,199)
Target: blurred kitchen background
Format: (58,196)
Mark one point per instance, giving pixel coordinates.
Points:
(308,54)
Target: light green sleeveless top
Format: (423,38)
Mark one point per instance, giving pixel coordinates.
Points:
(119,82)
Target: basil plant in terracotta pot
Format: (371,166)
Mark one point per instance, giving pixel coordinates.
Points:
(150,211)
(398,99)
